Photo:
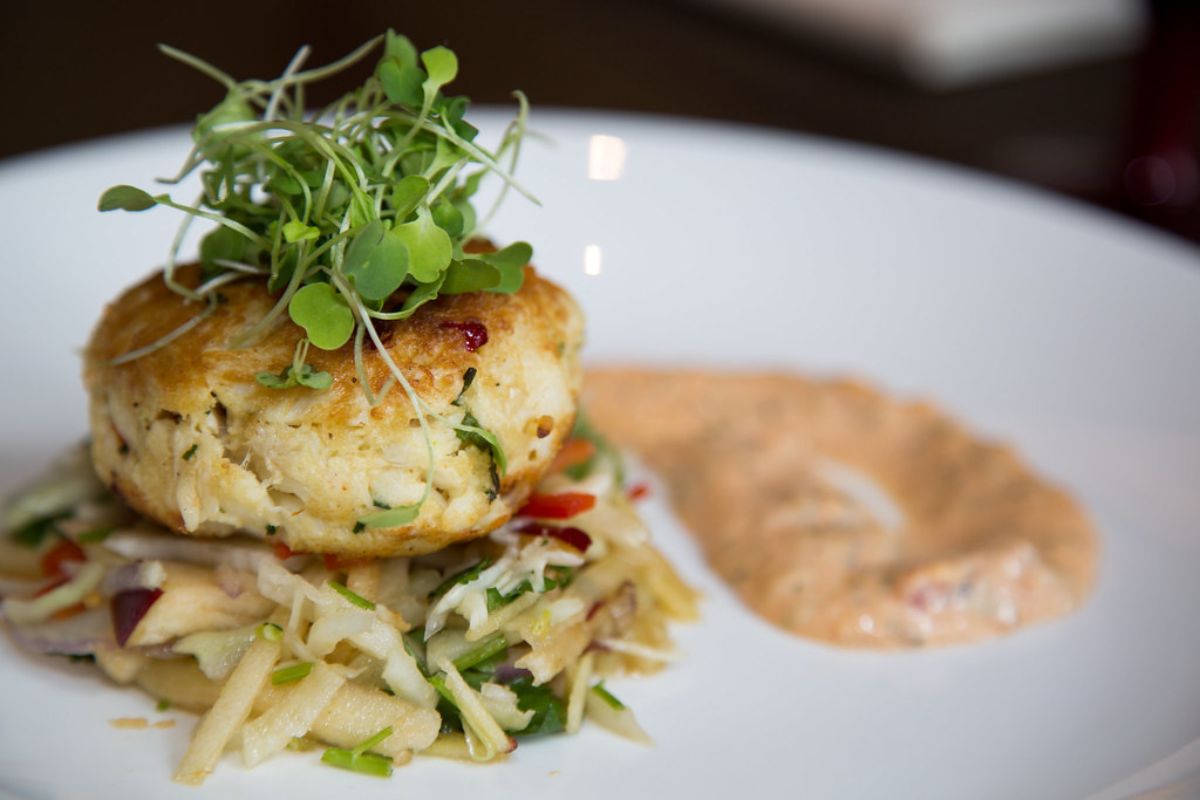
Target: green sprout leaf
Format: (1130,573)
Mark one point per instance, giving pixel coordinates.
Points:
(399,74)
(384,271)
(400,48)
(289,378)
(511,263)
(442,66)
(231,110)
(516,255)
(362,246)
(352,597)
(470,275)
(422,295)
(402,84)
(407,194)
(126,198)
(323,314)
(297,231)
(429,247)
(449,218)
(221,244)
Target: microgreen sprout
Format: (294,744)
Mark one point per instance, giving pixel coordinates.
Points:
(353,215)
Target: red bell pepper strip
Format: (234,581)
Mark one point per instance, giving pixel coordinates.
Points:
(557,506)
(61,553)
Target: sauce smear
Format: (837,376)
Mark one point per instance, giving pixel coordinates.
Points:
(843,515)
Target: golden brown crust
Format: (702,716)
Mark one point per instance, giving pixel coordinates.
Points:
(199,391)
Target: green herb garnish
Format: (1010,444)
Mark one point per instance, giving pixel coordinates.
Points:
(487,648)
(608,697)
(352,216)
(270,632)
(495,599)
(604,450)
(293,672)
(439,682)
(470,432)
(468,379)
(414,643)
(163,704)
(446,707)
(355,599)
(549,711)
(465,576)
(95,535)
(389,517)
(32,534)
(191,451)
(297,373)
(359,760)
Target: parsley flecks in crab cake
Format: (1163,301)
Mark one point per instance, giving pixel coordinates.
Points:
(191,440)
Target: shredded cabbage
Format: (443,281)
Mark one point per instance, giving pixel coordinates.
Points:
(40,609)
(505,632)
(217,652)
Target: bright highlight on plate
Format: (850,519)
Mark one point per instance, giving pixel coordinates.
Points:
(606,157)
(593,260)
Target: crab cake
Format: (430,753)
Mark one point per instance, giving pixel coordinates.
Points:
(190,438)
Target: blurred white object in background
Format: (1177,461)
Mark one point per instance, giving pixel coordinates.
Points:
(944,44)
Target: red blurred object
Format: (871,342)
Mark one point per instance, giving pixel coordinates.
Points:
(557,506)
(335,563)
(474,333)
(128,608)
(282,551)
(575,452)
(638,491)
(51,586)
(61,553)
(570,536)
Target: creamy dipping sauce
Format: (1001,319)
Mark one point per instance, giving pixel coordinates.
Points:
(841,514)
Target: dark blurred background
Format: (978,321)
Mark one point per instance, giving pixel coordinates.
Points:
(1108,112)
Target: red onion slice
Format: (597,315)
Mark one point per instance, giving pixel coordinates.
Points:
(570,536)
(128,608)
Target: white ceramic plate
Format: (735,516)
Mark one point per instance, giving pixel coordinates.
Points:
(1073,334)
